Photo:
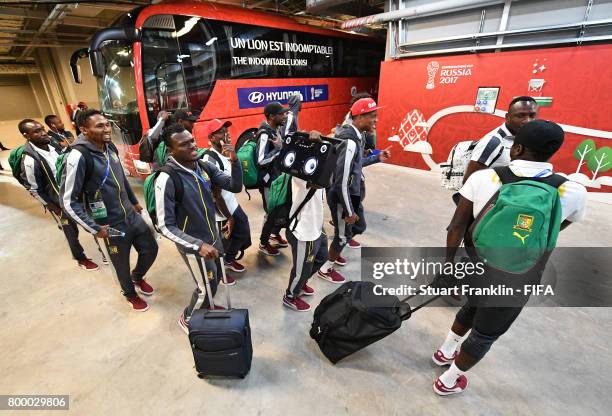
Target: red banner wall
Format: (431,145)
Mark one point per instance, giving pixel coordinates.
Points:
(578,79)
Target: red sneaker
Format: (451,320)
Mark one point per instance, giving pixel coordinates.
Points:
(331,276)
(297,304)
(439,358)
(460,385)
(137,303)
(235,266)
(353,244)
(88,265)
(307,290)
(183,324)
(268,250)
(279,241)
(340,261)
(230,280)
(143,287)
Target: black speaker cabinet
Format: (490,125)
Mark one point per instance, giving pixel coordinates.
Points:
(309,160)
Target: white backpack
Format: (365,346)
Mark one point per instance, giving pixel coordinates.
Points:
(456,164)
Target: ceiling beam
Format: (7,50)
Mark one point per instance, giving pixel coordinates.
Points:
(55,16)
(14,58)
(18,69)
(34,32)
(66,21)
(16,12)
(84,22)
(41,45)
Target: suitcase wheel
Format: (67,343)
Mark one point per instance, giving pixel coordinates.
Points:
(200,375)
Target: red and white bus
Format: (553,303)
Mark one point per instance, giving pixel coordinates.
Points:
(226,62)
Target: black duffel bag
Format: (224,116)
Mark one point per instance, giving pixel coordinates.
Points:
(353,317)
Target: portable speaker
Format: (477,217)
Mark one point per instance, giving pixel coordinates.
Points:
(309,160)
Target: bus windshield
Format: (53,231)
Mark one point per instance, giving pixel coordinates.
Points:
(117,91)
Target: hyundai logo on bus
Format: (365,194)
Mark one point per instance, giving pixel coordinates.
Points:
(259,97)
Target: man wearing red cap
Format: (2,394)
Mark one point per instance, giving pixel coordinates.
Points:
(343,197)
(236,230)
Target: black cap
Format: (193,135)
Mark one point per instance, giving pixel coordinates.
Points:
(186,115)
(541,136)
(274,108)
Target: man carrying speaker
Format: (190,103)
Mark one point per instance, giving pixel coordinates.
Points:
(344,195)
(269,144)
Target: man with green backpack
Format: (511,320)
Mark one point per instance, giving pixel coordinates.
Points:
(183,208)
(512,216)
(34,166)
(269,143)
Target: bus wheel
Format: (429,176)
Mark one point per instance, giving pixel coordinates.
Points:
(244,137)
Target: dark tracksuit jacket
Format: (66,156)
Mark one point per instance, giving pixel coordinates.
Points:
(269,169)
(191,222)
(267,154)
(118,197)
(343,196)
(38,178)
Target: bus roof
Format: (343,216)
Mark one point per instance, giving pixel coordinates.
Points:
(235,14)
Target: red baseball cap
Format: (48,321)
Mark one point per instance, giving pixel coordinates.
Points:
(215,125)
(363,106)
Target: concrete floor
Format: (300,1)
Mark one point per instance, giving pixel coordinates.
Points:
(66,331)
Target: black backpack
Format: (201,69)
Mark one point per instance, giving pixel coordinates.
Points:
(146,151)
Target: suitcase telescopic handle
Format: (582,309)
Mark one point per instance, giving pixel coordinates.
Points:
(211,302)
(224,277)
(207,284)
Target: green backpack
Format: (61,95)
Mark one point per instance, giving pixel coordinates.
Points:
(14,161)
(519,226)
(15,158)
(149,190)
(279,192)
(247,155)
(161,153)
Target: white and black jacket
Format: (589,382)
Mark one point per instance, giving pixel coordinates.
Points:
(190,222)
(347,176)
(37,176)
(267,154)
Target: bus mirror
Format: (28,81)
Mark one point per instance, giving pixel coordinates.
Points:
(121,34)
(97,63)
(75,69)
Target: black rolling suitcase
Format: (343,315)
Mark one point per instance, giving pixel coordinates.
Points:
(220,340)
(353,317)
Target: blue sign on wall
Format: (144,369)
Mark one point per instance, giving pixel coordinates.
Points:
(259,97)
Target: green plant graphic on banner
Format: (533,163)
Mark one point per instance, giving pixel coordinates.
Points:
(600,161)
(583,151)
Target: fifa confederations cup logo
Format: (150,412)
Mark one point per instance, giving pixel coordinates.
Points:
(432,69)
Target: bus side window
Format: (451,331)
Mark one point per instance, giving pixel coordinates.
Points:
(198,50)
(162,71)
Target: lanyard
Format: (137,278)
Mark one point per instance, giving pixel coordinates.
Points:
(202,180)
(542,173)
(106,173)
